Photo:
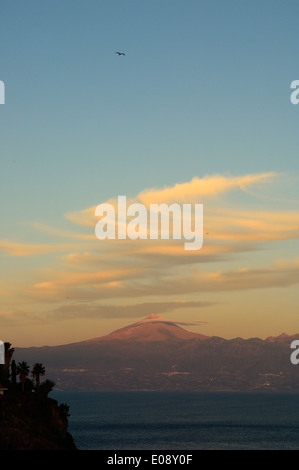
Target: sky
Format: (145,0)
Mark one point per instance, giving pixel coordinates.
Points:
(197,111)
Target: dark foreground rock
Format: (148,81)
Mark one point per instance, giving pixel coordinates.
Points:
(29,421)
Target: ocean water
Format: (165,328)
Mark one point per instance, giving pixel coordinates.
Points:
(182,420)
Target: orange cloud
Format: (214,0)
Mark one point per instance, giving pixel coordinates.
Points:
(26,249)
(62,233)
(199,188)
(92,270)
(221,221)
(94,278)
(192,191)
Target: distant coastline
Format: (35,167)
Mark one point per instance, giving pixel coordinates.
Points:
(157,354)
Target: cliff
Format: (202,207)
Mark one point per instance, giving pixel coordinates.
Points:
(29,421)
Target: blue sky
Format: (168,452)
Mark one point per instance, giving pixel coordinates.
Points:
(204,89)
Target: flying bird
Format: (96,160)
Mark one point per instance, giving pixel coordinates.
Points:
(120,53)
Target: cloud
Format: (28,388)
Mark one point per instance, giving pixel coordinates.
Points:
(252,226)
(200,188)
(142,283)
(76,310)
(222,221)
(193,191)
(83,297)
(90,271)
(27,249)
(94,279)
(223,224)
(62,233)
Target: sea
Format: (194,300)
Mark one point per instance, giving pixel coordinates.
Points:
(182,420)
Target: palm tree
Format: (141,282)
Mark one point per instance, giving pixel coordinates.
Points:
(37,370)
(22,370)
(46,387)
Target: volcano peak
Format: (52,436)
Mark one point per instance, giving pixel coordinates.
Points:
(152,328)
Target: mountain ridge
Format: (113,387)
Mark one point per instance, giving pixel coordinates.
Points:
(139,331)
(158,354)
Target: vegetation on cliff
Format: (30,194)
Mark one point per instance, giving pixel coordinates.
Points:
(29,419)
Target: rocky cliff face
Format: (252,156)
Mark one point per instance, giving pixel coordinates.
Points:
(32,422)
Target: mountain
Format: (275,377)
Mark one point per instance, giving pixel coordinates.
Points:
(281,338)
(158,354)
(152,328)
